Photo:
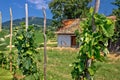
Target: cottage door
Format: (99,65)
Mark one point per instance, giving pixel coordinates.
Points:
(73,41)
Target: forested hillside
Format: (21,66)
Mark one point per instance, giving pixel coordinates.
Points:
(32,20)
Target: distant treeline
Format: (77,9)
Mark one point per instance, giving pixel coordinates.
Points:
(37,21)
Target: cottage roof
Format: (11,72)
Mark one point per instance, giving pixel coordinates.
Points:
(112,17)
(69,26)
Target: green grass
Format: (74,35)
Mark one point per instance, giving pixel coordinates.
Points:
(58,62)
(39,38)
(58,66)
(5,74)
(108,70)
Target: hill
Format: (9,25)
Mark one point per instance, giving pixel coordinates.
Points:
(32,20)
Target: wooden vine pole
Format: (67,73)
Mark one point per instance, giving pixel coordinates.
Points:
(11,23)
(0,21)
(26,12)
(96,9)
(45,38)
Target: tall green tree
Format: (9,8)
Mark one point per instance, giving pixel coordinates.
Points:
(68,9)
(115,45)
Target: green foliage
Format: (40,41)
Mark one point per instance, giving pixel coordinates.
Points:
(37,21)
(27,59)
(92,44)
(68,9)
(3,45)
(50,34)
(38,37)
(114,41)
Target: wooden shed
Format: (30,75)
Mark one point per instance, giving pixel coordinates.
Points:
(65,35)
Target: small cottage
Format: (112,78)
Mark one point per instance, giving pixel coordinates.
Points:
(65,34)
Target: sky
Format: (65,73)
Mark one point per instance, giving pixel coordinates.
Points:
(35,6)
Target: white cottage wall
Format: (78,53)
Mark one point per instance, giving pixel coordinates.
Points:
(64,40)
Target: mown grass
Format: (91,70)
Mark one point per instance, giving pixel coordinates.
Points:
(58,66)
(109,70)
(39,38)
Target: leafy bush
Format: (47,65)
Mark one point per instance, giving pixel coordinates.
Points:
(27,54)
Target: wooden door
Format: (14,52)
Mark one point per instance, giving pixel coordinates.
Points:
(73,41)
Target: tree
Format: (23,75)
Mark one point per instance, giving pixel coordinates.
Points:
(68,9)
(114,44)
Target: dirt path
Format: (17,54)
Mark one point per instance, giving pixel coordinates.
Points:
(60,48)
(114,56)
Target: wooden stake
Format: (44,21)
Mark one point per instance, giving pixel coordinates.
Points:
(11,23)
(45,38)
(26,12)
(97,5)
(0,21)
(96,9)
(89,61)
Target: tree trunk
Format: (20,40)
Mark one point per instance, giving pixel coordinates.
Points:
(45,38)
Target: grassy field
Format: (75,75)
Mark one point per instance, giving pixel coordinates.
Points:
(109,70)
(59,60)
(58,66)
(5,75)
(39,37)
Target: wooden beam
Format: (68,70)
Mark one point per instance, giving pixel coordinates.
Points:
(11,24)
(97,5)
(96,9)
(45,38)
(26,13)
(0,21)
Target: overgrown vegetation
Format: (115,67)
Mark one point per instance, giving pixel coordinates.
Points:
(115,40)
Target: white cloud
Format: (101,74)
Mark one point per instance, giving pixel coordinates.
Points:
(40,3)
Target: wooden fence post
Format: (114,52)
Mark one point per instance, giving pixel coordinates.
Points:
(11,23)
(45,38)
(0,21)
(96,8)
(26,12)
